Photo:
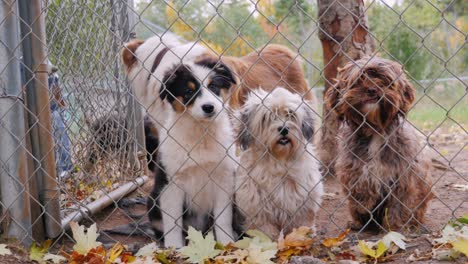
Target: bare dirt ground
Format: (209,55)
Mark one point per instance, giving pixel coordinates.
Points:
(451,201)
(450,147)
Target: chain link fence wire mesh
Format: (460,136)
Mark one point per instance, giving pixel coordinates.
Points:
(95,126)
(85,43)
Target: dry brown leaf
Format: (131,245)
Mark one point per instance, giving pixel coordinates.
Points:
(345,255)
(336,241)
(299,237)
(295,243)
(127,257)
(284,255)
(94,256)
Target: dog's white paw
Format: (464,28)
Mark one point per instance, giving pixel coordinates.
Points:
(174,239)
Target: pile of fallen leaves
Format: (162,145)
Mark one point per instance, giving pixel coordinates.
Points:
(256,248)
(453,240)
(87,187)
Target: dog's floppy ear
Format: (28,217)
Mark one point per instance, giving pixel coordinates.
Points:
(332,96)
(128,52)
(398,75)
(307,126)
(244,138)
(408,93)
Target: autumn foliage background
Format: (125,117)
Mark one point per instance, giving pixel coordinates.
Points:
(420,34)
(427,37)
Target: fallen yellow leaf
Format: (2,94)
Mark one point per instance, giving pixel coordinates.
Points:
(37,252)
(461,245)
(115,252)
(336,241)
(375,253)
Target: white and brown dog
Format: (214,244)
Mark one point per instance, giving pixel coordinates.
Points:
(278,183)
(194,183)
(180,86)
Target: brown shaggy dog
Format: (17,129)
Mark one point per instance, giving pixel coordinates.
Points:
(380,162)
(269,67)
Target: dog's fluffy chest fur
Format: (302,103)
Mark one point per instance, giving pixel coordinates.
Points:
(281,190)
(381,159)
(199,158)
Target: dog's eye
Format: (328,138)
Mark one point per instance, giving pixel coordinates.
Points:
(291,115)
(219,82)
(189,93)
(214,88)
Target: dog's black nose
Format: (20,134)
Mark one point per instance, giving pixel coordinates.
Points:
(283,130)
(371,91)
(208,108)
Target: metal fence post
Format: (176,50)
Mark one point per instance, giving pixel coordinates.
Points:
(134,110)
(37,97)
(129,34)
(13,162)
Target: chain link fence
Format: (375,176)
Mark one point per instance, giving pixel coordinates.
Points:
(72,131)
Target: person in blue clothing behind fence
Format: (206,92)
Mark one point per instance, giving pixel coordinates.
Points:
(62,140)
(62,144)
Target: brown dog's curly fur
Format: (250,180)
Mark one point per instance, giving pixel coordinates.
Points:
(380,162)
(269,67)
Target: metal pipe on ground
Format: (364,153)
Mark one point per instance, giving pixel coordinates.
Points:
(14,189)
(37,98)
(103,202)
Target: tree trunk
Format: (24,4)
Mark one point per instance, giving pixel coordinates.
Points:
(344,34)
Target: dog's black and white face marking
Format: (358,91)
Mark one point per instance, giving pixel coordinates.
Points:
(181,88)
(222,79)
(197,89)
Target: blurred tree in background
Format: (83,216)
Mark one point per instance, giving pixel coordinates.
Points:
(237,28)
(428,37)
(423,35)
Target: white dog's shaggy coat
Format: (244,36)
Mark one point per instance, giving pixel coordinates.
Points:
(195,181)
(278,183)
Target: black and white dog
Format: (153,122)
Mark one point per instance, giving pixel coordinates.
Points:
(194,183)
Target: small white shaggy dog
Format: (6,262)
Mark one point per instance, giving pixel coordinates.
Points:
(278,183)
(194,184)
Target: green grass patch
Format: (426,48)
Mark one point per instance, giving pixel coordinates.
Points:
(442,105)
(446,104)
